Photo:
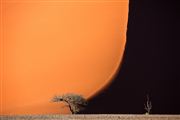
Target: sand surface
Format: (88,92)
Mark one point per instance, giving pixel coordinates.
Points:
(92,117)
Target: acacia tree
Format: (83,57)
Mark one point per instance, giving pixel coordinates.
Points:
(75,102)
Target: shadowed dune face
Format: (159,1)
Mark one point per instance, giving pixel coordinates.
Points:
(58,47)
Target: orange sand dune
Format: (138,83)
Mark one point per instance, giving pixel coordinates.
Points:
(58,47)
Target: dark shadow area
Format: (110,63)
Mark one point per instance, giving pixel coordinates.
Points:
(151,64)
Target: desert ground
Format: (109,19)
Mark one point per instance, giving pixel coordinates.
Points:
(92,117)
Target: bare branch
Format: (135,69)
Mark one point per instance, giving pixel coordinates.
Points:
(148,105)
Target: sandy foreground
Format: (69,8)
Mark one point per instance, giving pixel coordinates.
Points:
(92,117)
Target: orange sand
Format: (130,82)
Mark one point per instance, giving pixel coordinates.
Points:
(57,47)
